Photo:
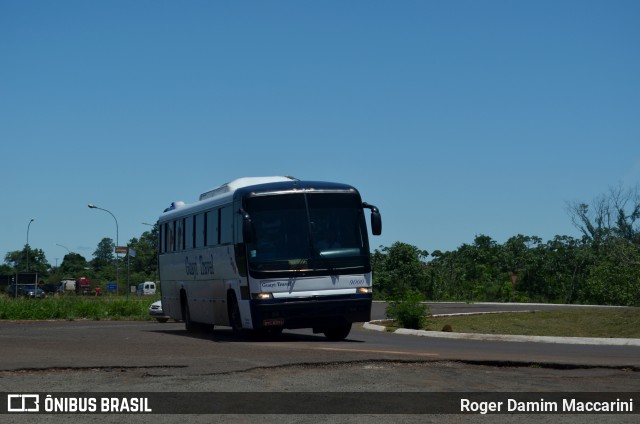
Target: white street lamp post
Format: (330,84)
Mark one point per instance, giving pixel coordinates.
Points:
(28,227)
(92,206)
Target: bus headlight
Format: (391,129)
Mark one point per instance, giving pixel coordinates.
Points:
(262,296)
(363,290)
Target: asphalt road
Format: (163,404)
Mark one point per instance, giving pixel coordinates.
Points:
(141,357)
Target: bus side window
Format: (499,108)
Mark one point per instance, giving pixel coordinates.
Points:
(226,225)
(188,232)
(212,227)
(200,231)
(172,236)
(179,235)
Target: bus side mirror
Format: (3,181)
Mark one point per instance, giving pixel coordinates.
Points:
(376,223)
(376,219)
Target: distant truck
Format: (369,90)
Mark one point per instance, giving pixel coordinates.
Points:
(83,286)
(67,285)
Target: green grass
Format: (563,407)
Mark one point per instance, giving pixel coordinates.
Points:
(76,307)
(582,322)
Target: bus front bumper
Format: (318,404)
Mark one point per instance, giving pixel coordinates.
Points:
(314,312)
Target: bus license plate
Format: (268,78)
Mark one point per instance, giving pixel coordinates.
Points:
(270,322)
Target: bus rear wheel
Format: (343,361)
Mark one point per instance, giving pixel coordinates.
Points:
(337,333)
(186,316)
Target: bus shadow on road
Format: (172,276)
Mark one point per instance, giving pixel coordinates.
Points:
(226,335)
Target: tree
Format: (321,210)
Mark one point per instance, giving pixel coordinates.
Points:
(73,265)
(563,266)
(483,265)
(144,265)
(400,267)
(445,276)
(103,257)
(522,258)
(33,260)
(614,278)
(611,233)
(614,214)
(5,269)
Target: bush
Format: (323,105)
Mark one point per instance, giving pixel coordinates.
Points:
(405,307)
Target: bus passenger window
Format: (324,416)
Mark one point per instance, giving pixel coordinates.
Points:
(226,225)
(212,227)
(172,236)
(200,231)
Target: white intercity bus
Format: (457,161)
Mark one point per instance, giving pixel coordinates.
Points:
(267,254)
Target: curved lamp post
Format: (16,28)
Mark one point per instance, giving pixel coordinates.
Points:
(92,206)
(68,251)
(28,227)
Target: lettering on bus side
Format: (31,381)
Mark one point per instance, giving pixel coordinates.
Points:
(268,284)
(191,268)
(205,266)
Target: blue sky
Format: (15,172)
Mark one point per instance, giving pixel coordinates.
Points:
(456,118)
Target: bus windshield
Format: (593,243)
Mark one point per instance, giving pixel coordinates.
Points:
(307,234)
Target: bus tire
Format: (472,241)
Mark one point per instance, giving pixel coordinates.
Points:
(337,333)
(235,319)
(269,332)
(186,316)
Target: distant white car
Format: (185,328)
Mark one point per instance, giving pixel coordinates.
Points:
(155,310)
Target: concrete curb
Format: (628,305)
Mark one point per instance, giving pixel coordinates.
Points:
(508,338)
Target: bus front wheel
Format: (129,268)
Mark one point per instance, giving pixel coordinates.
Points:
(235,320)
(338,333)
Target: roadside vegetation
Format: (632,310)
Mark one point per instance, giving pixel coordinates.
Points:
(579,322)
(600,268)
(405,308)
(76,307)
